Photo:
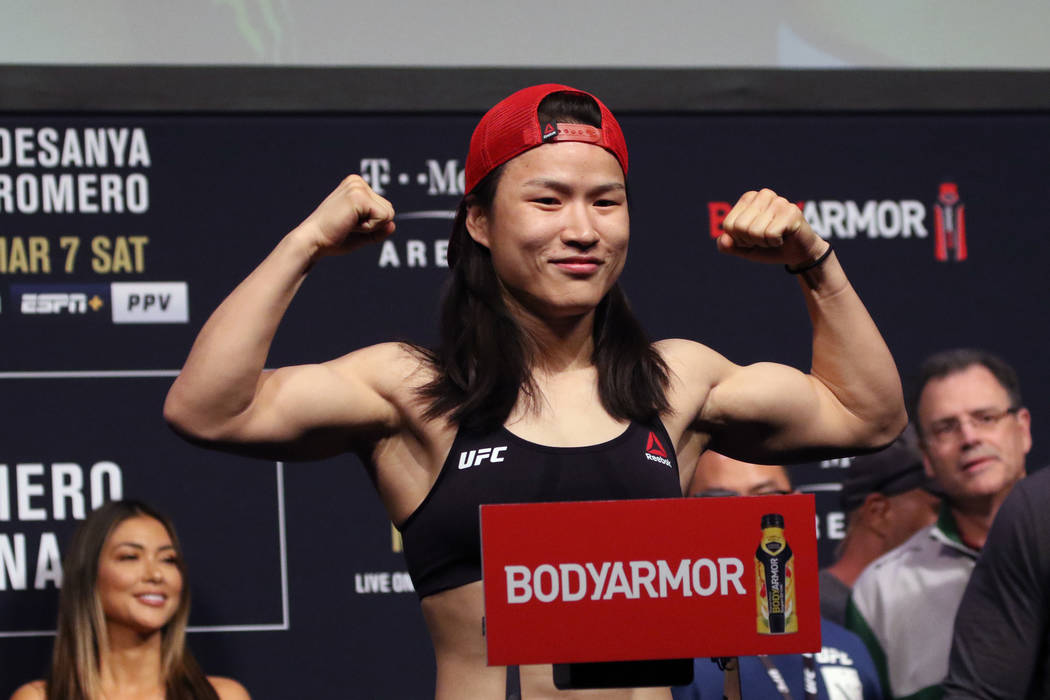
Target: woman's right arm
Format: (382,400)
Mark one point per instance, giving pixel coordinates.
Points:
(224,398)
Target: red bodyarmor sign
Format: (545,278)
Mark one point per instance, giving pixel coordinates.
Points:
(650,579)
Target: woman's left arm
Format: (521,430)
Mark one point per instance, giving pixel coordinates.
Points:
(851,399)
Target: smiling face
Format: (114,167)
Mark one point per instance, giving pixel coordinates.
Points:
(973,443)
(557,229)
(139,577)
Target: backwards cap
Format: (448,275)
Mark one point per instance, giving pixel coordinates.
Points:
(513,127)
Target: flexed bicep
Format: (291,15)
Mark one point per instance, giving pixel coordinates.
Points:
(223,397)
(850,401)
(766,409)
(313,411)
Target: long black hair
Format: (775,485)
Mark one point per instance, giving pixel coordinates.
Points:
(484,359)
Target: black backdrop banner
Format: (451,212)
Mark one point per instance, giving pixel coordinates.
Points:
(120,233)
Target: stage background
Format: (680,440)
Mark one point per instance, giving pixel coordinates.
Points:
(299,590)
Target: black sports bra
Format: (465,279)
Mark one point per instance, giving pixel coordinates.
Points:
(442,537)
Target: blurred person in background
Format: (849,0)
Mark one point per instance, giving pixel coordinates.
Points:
(974,432)
(122,615)
(887,498)
(1001,645)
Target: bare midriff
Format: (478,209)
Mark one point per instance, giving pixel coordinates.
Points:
(454,620)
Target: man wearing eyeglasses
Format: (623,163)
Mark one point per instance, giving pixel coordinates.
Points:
(974,433)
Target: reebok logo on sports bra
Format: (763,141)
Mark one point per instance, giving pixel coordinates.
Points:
(472,458)
(654,450)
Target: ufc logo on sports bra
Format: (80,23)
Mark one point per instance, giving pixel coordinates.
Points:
(475,457)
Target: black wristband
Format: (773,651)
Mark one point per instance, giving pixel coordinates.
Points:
(809,266)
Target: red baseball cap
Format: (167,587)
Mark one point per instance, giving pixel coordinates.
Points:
(513,127)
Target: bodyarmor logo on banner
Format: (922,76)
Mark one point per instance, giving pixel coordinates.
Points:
(570,582)
(848,219)
(949,224)
(873,219)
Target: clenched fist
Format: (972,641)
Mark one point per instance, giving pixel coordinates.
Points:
(351,216)
(766,227)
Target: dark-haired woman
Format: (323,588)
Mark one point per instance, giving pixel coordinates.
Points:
(122,616)
(540,356)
